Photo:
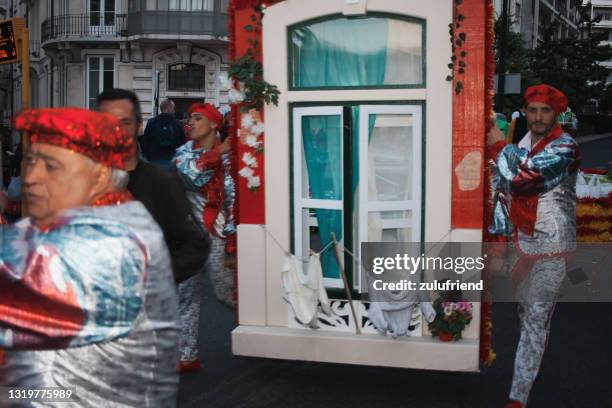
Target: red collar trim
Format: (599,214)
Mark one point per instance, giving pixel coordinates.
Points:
(114,198)
(554,134)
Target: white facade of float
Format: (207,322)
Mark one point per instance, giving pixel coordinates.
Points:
(265,329)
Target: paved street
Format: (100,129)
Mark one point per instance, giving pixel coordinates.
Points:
(574,374)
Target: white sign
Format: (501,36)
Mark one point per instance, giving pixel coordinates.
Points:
(512,83)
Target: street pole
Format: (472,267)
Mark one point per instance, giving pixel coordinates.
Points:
(24,49)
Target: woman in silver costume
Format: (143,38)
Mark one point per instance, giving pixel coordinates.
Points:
(204,165)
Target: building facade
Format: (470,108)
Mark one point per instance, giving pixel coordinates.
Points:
(532,17)
(603,10)
(159,48)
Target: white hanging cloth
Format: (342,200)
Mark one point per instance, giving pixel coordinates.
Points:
(393,318)
(304,289)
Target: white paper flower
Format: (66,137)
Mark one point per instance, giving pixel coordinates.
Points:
(252,141)
(246,172)
(258,129)
(253,182)
(249,160)
(247,120)
(224,81)
(235,96)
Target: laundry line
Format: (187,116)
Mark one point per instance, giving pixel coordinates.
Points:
(342,247)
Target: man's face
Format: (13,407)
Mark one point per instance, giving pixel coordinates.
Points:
(540,118)
(124,111)
(57,179)
(200,126)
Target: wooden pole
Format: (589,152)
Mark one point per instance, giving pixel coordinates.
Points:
(24,48)
(346,285)
(23,40)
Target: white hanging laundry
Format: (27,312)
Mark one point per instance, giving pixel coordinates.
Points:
(393,318)
(304,289)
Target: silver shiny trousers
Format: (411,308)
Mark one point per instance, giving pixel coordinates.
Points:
(190,297)
(537,294)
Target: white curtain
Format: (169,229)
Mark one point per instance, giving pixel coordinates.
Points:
(404,53)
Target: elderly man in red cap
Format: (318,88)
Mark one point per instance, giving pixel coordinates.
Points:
(534,186)
(204,165)
(87,298)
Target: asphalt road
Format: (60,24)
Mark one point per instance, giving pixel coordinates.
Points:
(575,371)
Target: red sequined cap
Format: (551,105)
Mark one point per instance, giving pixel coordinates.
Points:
(96,135)
(546,94)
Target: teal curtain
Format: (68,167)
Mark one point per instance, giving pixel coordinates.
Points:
(340,52)
(322,141)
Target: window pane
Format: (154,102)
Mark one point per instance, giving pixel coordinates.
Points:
(187,77)
(322,157)
(109,6)
(390,226)
(94,64)
(109,19)
(94,6)
(316,227)
(109,64)
(108,79)
(174,4)
(94,84)
(391,157)
(94,19)
(343,52)
(196,5)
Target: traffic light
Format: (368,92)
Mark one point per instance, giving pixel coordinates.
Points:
(11,48)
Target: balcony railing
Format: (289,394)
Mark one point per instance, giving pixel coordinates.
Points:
(85,26)
(174,22)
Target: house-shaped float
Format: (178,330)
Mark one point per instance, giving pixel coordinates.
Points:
(371,140)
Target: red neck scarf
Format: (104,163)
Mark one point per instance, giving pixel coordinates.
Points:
(524,208)
(114,198)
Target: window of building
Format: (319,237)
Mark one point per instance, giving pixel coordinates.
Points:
(356,174)
(100,76)
(373,51)
(101,12)
(192,5)
(186,77)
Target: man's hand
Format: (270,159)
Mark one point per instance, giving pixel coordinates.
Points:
(495,135)
(225,146)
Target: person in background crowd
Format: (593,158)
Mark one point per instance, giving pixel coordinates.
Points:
(518,126)
(162,193)
(162,136)
(534,184)
(87,299)
(205,167)
(569,122)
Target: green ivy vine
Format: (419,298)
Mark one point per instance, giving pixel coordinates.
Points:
(458,39)
(248,70)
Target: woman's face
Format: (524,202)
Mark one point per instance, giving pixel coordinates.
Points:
(200,126)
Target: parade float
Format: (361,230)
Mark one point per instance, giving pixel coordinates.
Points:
(355,121)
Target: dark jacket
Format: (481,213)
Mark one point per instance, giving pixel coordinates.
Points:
(162,136)
(163,195)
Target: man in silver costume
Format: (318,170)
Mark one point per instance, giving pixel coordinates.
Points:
(534,187)
(87,296)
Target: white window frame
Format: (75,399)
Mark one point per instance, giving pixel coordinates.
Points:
(87,69)
(365,205)
(300,178)
(102,28)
